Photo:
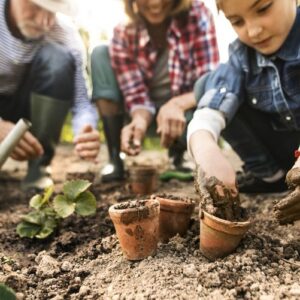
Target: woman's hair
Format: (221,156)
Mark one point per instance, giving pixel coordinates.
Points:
(218,3)
(180,7)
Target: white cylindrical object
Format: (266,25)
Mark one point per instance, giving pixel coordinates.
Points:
(12,139)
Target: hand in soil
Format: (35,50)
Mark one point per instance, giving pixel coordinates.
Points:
(216,198)
(287,210)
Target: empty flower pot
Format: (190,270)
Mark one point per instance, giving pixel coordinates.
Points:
(143,179)
(219,237)
(137,224)
(175,215)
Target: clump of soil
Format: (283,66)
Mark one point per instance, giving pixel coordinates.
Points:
(132,204)
(226,206)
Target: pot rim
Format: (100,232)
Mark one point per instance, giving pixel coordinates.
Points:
(230,227)
(175,205)
(154,203)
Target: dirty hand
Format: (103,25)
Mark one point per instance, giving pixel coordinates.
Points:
(170,123)
(133,133)
(87,143)
(27,148)
(287,210)
(211,163)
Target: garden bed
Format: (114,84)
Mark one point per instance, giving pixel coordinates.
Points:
(83,260)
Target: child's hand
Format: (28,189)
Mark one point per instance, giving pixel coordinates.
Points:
(287,210)
(212,162)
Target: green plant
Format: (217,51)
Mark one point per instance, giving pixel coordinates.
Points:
(47,212)
(6,293)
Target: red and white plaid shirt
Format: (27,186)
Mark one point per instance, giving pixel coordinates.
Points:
(193,51)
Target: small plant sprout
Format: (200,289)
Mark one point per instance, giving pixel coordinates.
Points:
(6,293)
(48,211)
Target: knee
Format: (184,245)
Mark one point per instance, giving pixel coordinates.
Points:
(53,72)
(54,61)
(100,60)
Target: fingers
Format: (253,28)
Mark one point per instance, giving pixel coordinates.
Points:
(293,177)
(292,200)
(27,148)
(169,131)
(288,219)
(287,210)
(131,139)
(87,150)
(87,143)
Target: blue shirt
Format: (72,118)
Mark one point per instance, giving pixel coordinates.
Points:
(268,83)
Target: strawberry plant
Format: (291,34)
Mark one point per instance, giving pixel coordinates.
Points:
(48,212)
(6,293)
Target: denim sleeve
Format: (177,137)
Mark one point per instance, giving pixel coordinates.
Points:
(223,89)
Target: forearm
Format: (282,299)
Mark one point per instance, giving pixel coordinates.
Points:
(202,142)
(185,101)
(142,115)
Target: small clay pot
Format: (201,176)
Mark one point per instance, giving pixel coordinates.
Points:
(137,224)
(143,179)
(175,215)
(219,237)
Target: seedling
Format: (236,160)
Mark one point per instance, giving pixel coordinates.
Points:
(48,212)
(6,293)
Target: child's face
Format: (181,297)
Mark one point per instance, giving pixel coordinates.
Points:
(261,24)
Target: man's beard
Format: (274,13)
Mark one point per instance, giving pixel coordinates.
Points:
(31,31)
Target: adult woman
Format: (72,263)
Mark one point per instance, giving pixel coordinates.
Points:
(156,58)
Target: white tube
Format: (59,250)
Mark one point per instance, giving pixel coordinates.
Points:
(12,139)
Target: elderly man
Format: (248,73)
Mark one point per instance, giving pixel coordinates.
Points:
(41,77)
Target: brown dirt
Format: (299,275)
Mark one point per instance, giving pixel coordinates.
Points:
(83,260)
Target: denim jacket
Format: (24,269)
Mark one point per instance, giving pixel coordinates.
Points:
(268,83)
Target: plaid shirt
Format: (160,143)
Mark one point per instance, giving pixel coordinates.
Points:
(192,50)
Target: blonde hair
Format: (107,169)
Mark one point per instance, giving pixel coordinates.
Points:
(219,3)
(180,6)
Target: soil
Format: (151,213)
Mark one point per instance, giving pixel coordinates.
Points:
(218,200)
(83,260)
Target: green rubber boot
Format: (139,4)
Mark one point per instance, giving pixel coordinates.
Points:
(47,117)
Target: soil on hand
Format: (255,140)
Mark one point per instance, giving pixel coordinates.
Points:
(226,207)
(83,260)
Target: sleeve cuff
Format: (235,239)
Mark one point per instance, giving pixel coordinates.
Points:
(207,119)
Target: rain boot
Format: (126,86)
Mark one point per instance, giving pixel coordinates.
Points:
(47,117)
(112,125)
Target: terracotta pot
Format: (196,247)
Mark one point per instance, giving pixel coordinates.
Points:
(175,216)
(143,179)
(219,237)
(137,224)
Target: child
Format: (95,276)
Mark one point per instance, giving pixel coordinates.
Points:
(253,99)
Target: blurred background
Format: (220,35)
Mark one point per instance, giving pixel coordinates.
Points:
(98,17)
(96,20)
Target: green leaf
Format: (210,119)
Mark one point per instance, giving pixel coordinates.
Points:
(86,204)
(48,228)
(34,217)
(72,189)
(6,293)
(36,201)
(48,193)
(63,206)
(25,229)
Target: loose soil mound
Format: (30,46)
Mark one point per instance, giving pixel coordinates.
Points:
(83,260)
